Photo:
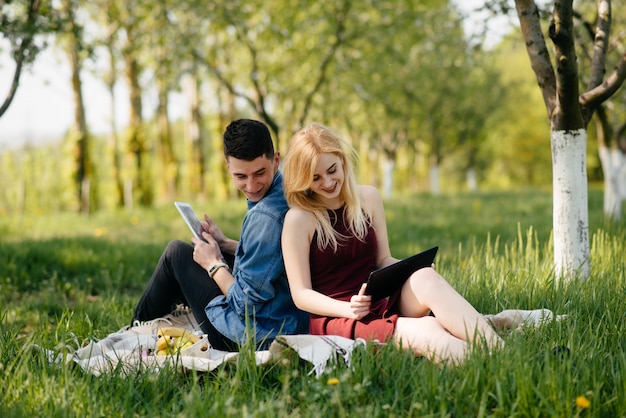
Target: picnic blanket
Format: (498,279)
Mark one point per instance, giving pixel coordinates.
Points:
(132,349)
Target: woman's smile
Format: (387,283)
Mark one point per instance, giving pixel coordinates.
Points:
(328,176)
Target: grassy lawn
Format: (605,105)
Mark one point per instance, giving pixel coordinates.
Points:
(67,278)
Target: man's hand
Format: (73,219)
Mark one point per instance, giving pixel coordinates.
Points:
(206,253)
(212,229)
(227,245)
(360,304)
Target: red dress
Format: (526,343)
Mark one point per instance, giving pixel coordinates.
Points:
(340,274)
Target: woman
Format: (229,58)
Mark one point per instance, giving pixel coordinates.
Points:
(335,234)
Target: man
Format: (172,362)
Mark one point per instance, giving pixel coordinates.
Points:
(255,295)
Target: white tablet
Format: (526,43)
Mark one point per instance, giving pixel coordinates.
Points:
(190,217)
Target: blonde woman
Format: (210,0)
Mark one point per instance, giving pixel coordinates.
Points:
(335,234)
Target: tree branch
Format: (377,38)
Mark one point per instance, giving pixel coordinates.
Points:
(259,104)
(339,39)
(567,115)
(598,61)
(537,51)
(592,98)
(600,43)
(22,53)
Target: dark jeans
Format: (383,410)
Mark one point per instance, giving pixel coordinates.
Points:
(178,279)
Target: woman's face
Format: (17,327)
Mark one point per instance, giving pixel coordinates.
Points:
(328,179)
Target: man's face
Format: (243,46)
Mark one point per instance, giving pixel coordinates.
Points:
(253,178)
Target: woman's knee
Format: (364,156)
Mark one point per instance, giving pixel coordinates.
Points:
(410,328)
(427,280)
(420,333)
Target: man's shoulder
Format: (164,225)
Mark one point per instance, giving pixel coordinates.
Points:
(274,201)
(275,197)
(273,206)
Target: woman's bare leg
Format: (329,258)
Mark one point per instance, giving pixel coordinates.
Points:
(426,337)
(427,291)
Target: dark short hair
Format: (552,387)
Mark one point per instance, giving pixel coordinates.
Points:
(247,139)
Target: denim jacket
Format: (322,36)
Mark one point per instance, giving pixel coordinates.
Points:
(260,298)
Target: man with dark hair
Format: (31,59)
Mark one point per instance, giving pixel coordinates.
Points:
(254,296)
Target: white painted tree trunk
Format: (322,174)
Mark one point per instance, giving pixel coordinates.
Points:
(434,179)
(621,175)
(388,167)
(472,182)
(570,204)
(614,168)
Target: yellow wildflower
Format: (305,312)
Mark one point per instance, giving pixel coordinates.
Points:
(100,232)
(582,402)
(332,381)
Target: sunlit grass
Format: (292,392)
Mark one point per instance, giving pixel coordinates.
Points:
(67,278)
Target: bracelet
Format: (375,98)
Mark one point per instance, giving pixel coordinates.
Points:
(216,267)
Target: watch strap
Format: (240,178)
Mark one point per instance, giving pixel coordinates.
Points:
(216,267)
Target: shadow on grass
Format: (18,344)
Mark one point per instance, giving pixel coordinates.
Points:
(93,264)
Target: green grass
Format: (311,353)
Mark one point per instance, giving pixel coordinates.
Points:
(67,278)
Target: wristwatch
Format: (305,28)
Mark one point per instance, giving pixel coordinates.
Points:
(216,267)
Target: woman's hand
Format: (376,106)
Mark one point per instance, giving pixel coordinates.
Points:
(360,304)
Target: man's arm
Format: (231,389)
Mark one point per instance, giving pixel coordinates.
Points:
(259,263)
(208,255)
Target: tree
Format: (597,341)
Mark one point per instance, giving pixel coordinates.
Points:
(416,81)
(569,113)
(514,145)
(132,15)
(22,22)
(164,62)
(609,121)
(75,49)
(256,47)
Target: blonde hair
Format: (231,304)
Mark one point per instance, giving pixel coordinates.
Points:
(303,154)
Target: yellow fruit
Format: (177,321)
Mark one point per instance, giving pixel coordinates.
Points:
(172,340)
(186,345)
(178,332)
(161,342)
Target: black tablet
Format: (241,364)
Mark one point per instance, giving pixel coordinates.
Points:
(387,280)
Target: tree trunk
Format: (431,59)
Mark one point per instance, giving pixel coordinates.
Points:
(198,166)
(25,52)
(568,135)
(435,188)
(388,168)
(613,163)
(472,182)
(114,137)
(137,141)
(570,207)
(170,173)
(83,168)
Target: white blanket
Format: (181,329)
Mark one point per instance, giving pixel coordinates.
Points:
(132,349)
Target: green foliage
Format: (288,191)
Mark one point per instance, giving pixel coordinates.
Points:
(24,24)
(66,279)
(400,78)
(518,137)
(395,74)
(35,180)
